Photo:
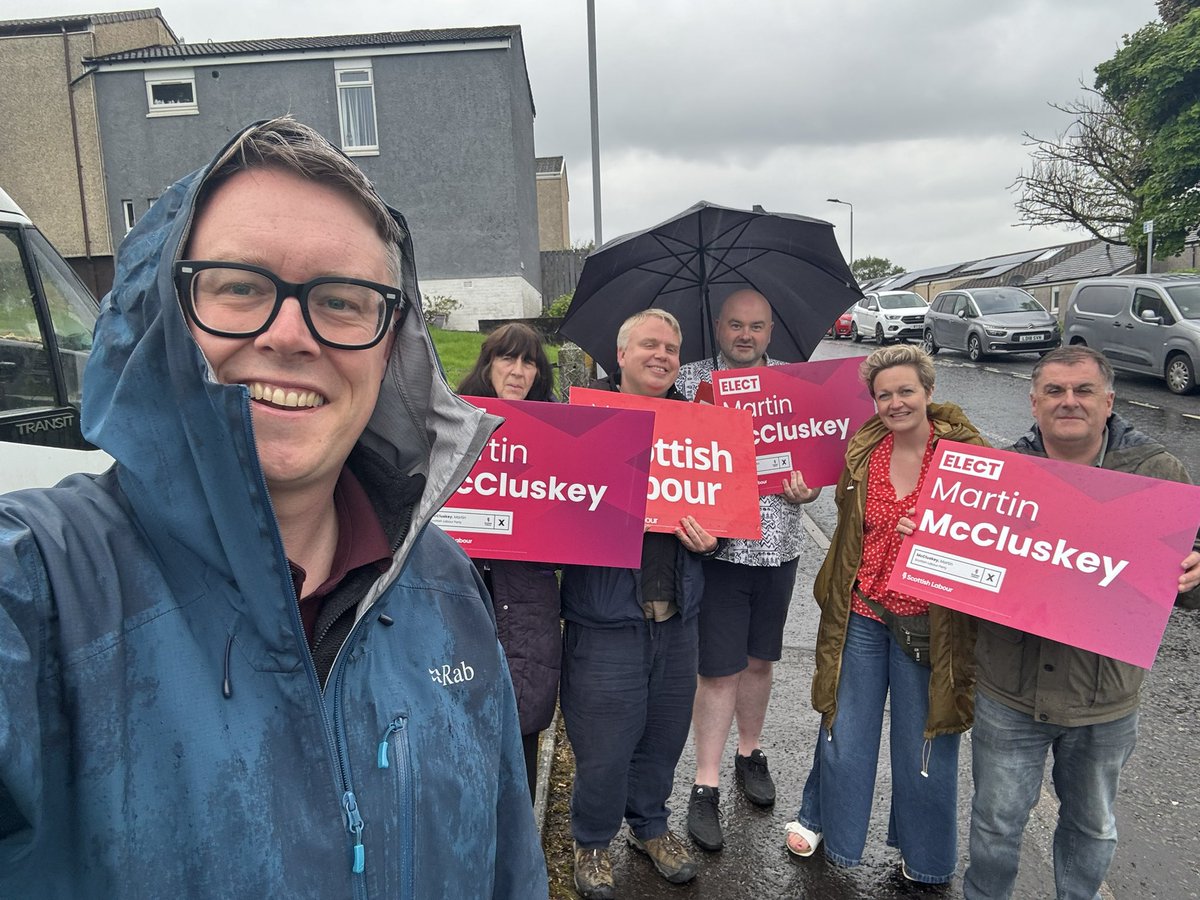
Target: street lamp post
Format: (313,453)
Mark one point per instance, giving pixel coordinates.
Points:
(851,205)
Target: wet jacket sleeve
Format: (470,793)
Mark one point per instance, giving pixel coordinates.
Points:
(24,595)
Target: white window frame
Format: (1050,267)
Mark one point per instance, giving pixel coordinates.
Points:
(130,214)
(159,77)
(359,66)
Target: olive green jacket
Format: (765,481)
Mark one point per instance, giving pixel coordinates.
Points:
(952,634)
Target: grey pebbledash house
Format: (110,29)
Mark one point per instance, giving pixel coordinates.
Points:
(441,121)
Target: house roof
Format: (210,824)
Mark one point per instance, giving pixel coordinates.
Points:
(300,44)
(549,165)
(80,22)
(1032,264)
(1097,258)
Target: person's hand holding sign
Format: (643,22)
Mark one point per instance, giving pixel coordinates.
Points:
(796,491)
(905,525)
(1191,572)
(693,536)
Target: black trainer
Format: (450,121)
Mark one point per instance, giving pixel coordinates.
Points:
(751,772)
(704,817)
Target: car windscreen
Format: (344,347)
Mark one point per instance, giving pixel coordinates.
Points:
(1006,301)
(900,301)
(1187,298)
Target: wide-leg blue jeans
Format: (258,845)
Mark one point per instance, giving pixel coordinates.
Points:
(837,796)
(1008,753)
(626,696)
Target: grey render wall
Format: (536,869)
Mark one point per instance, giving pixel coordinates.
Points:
(456,145)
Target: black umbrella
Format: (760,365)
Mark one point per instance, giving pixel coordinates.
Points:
(689,264)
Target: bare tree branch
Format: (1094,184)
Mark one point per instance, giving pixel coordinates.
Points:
(1087,175)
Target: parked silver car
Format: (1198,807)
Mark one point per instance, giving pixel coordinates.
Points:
(981,321)
(1142,323)
(887,316)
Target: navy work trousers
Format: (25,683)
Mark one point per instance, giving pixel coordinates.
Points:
(626,697)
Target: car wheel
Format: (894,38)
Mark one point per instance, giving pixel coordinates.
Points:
(854,335)
(974,348)
(1180,374)
(1078,342)
(879,339)
(929,345)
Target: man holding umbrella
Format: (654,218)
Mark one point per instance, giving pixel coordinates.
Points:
(629,659)
(747,590)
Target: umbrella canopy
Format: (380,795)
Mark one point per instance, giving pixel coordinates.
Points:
(689,264)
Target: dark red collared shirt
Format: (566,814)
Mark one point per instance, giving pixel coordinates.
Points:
(361,542)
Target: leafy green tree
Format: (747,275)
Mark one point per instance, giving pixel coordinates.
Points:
(1173,11)
(869,267)
(1155,78)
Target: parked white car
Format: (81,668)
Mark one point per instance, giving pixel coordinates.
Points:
(887,316)
(46,321)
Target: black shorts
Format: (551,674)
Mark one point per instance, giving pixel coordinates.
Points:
(742,614)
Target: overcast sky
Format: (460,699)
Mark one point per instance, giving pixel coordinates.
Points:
(913,111)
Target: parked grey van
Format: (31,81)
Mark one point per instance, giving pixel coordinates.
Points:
(1142,323)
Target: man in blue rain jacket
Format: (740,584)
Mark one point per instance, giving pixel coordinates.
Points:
(241,663)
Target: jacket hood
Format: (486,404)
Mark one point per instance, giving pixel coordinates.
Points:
(184,444)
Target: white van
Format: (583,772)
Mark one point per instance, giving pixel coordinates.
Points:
(46,321)
(1142,323)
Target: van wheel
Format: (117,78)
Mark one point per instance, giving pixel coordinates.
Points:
(974,348)
(1078,342)
(929,345)
(1180,374)
(854,335)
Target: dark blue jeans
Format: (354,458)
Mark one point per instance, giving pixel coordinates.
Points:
(626,697)
(840,789)
(1008,759)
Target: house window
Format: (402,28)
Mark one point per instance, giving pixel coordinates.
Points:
(130,215)
(171,92)
(1055,294)
(356,106)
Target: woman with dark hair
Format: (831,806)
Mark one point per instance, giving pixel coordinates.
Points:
(513,366)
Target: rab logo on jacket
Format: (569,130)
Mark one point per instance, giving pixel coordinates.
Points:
(448,675)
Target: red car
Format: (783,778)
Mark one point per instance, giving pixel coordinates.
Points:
(841,328)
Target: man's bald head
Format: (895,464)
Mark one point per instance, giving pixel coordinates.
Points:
(744,328)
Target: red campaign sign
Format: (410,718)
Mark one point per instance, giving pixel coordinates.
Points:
(551,485)
(1078,554)
(701,464)
(804,416)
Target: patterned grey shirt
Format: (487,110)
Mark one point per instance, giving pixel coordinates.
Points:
(781,524)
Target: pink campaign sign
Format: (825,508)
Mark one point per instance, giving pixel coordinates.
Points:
(804,416)
(701,464)
(555,483)
(1077,554)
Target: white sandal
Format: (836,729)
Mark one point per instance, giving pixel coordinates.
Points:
(813,838)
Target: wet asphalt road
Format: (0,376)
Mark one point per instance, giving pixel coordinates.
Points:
(1159,806)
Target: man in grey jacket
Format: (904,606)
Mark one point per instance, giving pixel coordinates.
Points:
(1034,694)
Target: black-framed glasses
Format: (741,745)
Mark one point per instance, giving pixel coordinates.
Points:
(238,300)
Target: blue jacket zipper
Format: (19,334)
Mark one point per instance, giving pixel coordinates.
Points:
(399,728)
